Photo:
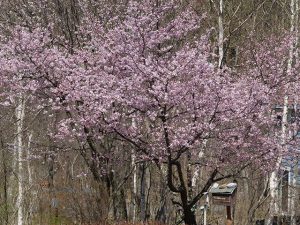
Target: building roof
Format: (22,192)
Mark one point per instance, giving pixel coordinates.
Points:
(222,190)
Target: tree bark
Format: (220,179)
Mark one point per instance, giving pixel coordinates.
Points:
(20,114)
(143,192)
(133,164)
(189,217)
(221,34)
(5,184)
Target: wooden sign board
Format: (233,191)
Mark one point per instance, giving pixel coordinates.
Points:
(222,200)
(223,195)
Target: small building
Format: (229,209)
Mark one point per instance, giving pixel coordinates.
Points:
(224,194)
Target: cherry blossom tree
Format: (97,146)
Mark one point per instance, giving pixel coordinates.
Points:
(147,80)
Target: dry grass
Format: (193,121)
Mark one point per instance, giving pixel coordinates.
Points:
(139,223)
(131,223)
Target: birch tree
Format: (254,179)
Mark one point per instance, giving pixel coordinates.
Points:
(20,114)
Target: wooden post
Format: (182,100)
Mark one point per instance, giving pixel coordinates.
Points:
(229,217)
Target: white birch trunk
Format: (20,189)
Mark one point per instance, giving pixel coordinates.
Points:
(195,177)
(30,183)
(20,113)
(294,30)
(274,177)
(293,182)
(221,33)
(28,161)
(273,194)
(133,164)
(292,185)
(274,181)
(197,174)
(133,159)
(293,195)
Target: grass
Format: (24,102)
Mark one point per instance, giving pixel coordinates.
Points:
(131,223)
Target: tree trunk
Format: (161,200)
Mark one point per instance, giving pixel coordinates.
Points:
(221,34)
(123,205)
(274,179)
(134,186)
(5,184)
(30,183)
(143,192)
(294,16)
(293,194)
(20,113)
(133,164)
(189,217)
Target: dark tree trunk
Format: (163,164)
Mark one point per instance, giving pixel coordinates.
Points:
(189,217)
(143,193)
(124,206)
